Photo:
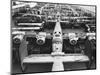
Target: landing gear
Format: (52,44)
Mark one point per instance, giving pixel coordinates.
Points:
(89,52)
(88,65)
(24,68)
(23,53)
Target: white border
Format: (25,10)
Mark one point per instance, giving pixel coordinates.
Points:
(5,37)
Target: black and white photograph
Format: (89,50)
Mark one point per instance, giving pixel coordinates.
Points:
(52,37)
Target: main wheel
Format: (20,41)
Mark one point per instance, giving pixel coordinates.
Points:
(24,68)
(89,52)
(88,65)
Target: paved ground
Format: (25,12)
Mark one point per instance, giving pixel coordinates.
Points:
(47,67)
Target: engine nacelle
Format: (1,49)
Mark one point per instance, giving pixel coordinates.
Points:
(40,41)
(41,38)
(73,41)
(91,36)
(17,39)
(72,38)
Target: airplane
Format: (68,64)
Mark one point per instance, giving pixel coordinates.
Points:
(57,56)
